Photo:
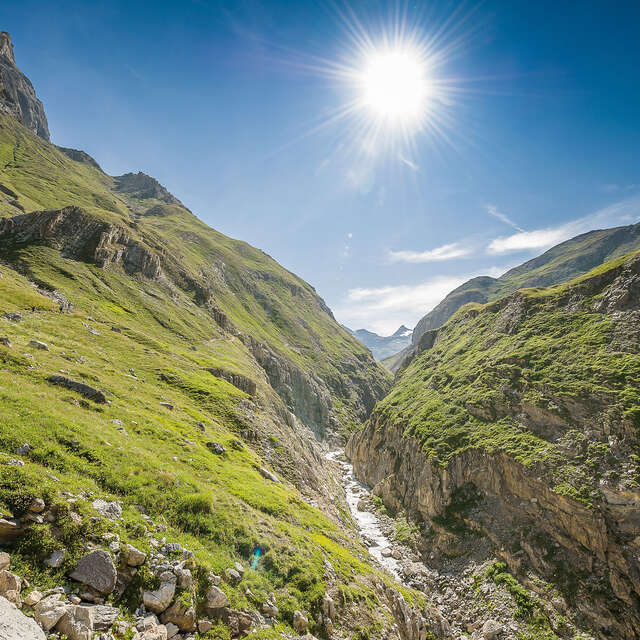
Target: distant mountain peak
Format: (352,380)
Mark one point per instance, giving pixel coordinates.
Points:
(17,95)
(402,331)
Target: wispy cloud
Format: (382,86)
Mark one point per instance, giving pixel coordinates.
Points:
(409,163)
(624,212)
(445,252)
(493,210)
(384,309)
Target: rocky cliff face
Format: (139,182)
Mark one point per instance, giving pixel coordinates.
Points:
(17,95)
(518,422)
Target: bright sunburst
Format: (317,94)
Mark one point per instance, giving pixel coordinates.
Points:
(395,86)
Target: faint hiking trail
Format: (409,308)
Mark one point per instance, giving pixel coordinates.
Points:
(368,523)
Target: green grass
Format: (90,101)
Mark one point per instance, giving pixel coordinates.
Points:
(531,355)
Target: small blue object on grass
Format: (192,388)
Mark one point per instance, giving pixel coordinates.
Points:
(256,557)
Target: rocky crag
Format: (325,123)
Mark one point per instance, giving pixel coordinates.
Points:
(514,434)
(17,95)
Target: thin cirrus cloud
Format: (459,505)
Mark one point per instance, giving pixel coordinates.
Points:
(619,213)
(445,252)
(493,211)
(384,309)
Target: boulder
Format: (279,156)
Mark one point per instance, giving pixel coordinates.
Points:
(216,598)
(49,611)
(80,387)
(104,616)
(96,570)
(491,630)
(76,623)
(14,625)
(232,576)
(134,557)
(111,510)
(216,447)
(328,606)
(9,582)
(33,598)
(56,559)
(36,344)
(5,560)
(172,630)
(238,622)
(265,473)
(10,529)
(204,625)
(184,617)
(269,609)
(155,633)
(159,599)
(37,506)
(300,622)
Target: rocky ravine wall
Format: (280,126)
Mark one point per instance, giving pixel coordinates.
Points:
(591,554)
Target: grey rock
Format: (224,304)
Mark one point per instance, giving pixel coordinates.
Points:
(56,559)
(104,616)
(37,344)
(14,625)
(33,598)
(111,510)
(183,617)
(37,506)
(159,599)
(155,633)
(9,582)
(265,473)
(96,570)
(216,447)
(5,560)
(300,622)
(491,629)
(134,557)
(5,341)
(23,450)
(17,95)
(49,611)
(10,529)
(14,317)
(167,405)
(77,623)
(80,387)
(216,598)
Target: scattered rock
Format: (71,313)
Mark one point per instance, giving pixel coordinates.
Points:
(183,617)
(265,473)
(96,570)
(9,582)
(159,599)
(167,405)
(5,341)
(14,317)
(300,622)
(269,609)
(216,598)
(76,623)
(232,576)
(37,506)
(204,625)
(37,344)
(111,510)
(22,450)
(491,629)
(216,447)
(5,560)
(14,625)
(104,616)
(33,598)
(156,633)
(172,630)
(134,557)
(56,559)
(328,606)
(10,529)
(80,387)
(48,611)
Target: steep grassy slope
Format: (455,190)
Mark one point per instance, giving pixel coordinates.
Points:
(521,420)
(559,264)
(196,340)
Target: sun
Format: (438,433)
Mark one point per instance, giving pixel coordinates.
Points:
(395,86)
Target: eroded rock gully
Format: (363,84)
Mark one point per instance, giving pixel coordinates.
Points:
(498,507)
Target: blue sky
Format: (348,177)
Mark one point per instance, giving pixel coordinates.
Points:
(229,105)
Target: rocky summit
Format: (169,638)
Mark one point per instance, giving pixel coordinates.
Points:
(17,95)
(192,447)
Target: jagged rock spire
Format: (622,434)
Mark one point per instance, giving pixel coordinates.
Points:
(17,96)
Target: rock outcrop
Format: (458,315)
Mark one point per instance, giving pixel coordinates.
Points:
(17,95)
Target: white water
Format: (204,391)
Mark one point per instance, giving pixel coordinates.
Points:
(367,522)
